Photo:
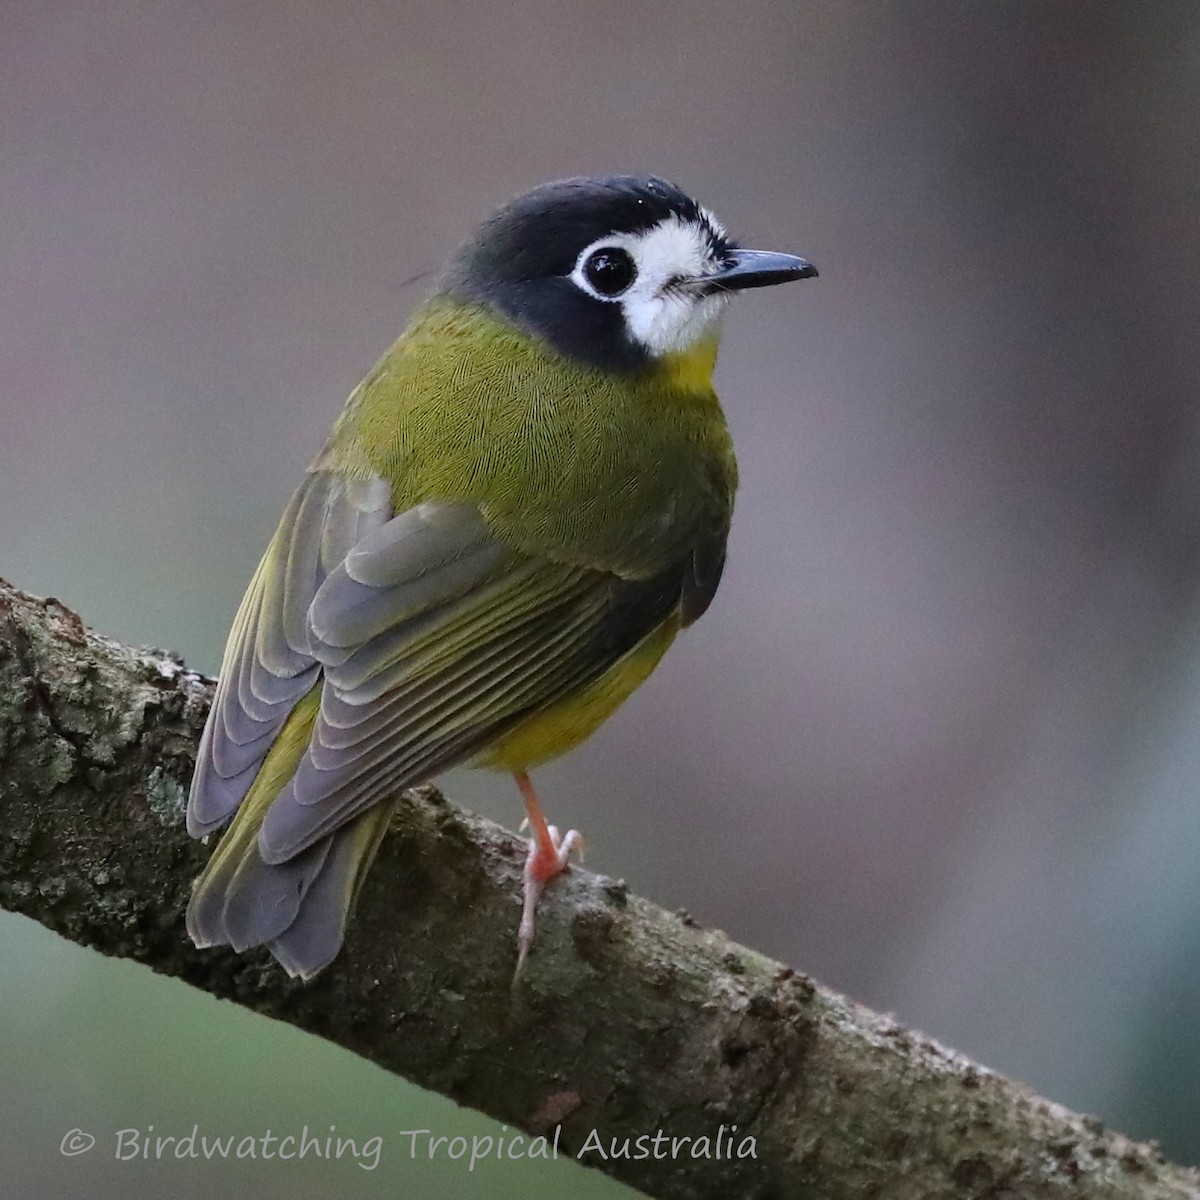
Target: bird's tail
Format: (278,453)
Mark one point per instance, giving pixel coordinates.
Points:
(299,908)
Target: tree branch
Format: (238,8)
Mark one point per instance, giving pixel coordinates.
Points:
(627,1019)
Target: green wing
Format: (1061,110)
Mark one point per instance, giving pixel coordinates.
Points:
(426,640)
(434,639)
(268,663)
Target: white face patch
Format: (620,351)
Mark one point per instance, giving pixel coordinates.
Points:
(659,316)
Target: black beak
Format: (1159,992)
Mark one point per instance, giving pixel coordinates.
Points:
(755,268)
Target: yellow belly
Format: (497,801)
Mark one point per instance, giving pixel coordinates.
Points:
(562,726)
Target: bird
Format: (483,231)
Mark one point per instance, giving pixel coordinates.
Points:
(518,509)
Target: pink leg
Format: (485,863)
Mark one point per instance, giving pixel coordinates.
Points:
(548,856)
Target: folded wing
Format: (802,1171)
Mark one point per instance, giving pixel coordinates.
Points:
(371,652)
(268,663)
(434,640)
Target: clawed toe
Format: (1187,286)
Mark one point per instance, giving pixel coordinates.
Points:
(549,855)
(544,861)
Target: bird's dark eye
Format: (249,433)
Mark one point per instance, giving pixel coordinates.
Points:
(610,270)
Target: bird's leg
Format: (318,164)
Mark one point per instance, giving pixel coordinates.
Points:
(548,856)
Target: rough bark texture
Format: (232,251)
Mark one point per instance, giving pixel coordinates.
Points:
(627,1019)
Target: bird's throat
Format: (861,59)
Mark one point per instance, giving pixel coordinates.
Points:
(691,370)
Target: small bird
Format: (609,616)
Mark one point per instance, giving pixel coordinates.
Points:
(517,511)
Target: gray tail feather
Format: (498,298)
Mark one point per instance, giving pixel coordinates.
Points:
(299,909)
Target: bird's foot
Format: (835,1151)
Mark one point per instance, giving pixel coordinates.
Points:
(548,856)
(544,860)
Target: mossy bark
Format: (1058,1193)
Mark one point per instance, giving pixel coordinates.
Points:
(627,1019)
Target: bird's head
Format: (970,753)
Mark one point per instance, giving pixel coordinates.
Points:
(616,273)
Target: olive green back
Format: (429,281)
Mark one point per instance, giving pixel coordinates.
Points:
(619,472)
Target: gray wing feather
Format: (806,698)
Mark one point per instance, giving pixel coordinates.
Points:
(314,937)
(420,559)
(546,629)
(428,638)
(254,902)
(268,663)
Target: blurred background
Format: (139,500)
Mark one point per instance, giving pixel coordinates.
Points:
(938,740)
